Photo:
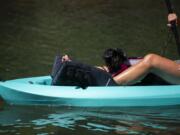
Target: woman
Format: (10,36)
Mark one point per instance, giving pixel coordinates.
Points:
(151,63)
(124,74)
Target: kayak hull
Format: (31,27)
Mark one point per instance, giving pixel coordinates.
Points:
(38,91)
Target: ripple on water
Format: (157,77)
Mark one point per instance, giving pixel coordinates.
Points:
(72,120)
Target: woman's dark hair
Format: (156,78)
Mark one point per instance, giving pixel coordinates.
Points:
(113,57)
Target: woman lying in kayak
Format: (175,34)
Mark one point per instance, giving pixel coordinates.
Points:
(124,73)
(118,65)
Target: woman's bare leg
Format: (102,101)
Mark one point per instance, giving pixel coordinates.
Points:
(163,67)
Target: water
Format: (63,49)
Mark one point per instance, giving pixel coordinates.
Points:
(33,31)
(67,120)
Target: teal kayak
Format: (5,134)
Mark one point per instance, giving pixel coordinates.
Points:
(38,91)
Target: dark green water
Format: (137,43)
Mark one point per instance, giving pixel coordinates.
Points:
(33,31)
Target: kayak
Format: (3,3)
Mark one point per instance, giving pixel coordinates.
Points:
(39,91)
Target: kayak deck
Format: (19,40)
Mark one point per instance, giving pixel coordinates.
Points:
(38,91)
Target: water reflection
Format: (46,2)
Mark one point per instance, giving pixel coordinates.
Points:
(54,120)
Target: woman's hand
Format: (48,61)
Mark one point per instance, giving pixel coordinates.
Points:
(172,17)
(105,68)
(65,58)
